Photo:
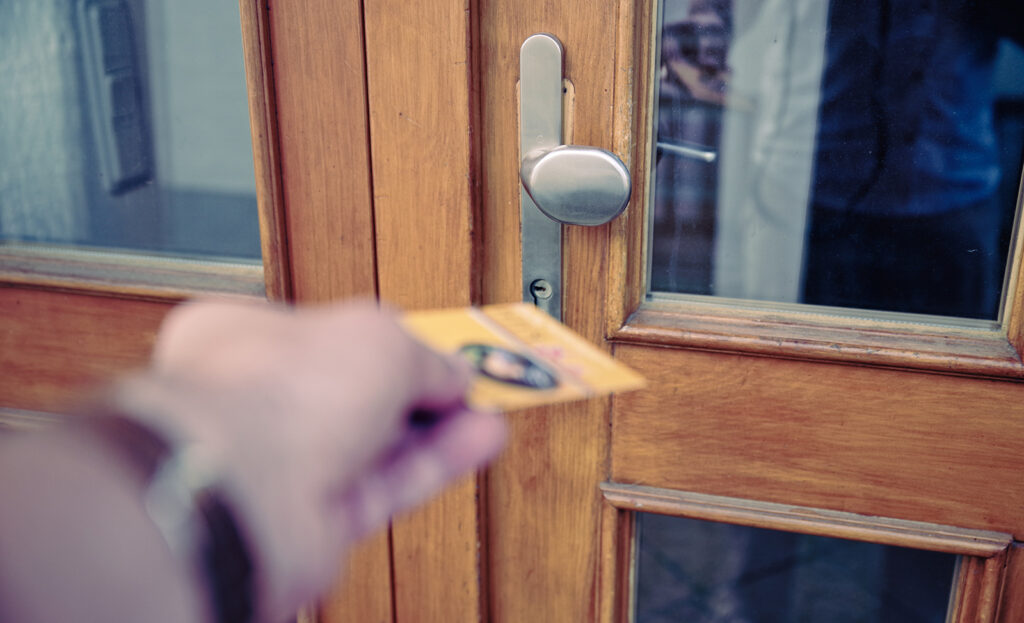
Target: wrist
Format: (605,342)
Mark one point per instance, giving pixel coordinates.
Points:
(72,514)
(183,493)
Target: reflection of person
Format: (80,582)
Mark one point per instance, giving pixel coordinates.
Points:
(693,87)
(297,423)
(866,176)
(906,167)
(505,366)
(693,51)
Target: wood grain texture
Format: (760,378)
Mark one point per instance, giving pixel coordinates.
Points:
(422,103)
(813,521)
(978,588)
(616,587)
(813,334)
(56,347)
(363,589)
(1013,304)
(420,96)
(905,445)
(322,123)
(131,275)
(324,154)
(633,136)
(543,505)
(1011,608)
(543,515)
(266,146)
(437,553)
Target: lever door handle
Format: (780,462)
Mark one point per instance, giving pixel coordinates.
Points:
(576,185)
(569,184)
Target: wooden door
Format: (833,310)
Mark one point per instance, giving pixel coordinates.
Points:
(771,417)
(900,433)
(69,321)
(387,157)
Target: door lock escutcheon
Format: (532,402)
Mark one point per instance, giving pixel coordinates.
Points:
(570,184)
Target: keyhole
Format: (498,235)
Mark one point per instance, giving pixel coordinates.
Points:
(541,290)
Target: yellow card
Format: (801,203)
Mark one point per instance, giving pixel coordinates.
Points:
(523,357)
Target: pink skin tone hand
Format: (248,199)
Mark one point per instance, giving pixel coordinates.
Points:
(307,412)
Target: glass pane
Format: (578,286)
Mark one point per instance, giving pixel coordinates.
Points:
(125,125)
(702,572)
(843,153)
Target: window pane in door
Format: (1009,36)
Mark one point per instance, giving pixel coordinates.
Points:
(125,125)
(843,153)
(705,572)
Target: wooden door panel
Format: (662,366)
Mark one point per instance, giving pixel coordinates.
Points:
(55,347)
(543,515)
(1012,606)
(873,441)
(323,160)
(420,94)
(543,502)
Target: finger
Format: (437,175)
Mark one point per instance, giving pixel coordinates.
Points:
(464,442)
(441,380)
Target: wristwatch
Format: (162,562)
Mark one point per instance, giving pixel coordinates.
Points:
(185,502)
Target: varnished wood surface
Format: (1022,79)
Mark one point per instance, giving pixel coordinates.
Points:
(815,334)
(438,553)
(56,347)
(634,52)
(978,589)
(543,515)
(1013,304)
(424,178)
(132,275)
(896,444)
(266,145)
(420,77)
(804,520)
(363,594)
(1011,608)
(617,577)
(543,504)
(324,152)
(324,162)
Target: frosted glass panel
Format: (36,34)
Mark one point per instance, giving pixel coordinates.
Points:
(125,126)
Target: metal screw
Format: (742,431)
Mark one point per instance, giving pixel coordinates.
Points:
(541,289)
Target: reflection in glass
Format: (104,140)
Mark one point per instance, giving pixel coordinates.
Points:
(125,125)
(702,572)
(842,153)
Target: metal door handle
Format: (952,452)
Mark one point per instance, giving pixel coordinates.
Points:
(569,184)
(576,185)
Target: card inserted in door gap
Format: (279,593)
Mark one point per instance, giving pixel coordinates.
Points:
(522,356)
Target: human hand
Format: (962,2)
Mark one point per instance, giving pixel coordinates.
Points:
(308,413)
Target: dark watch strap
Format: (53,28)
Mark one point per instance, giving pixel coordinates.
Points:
(225,558)
(222,554)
